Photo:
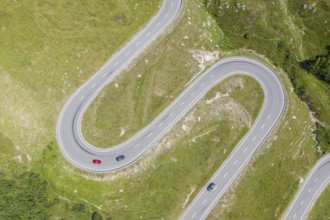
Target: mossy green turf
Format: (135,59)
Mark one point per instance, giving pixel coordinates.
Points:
(293,136)
(50,50)
(154,82)
(160,190)
(321,208)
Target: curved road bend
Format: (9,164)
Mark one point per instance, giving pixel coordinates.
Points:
(269,115)
(68,129)
(80,153)
(315,183)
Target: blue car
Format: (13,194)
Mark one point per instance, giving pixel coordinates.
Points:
(211,187)
(121,157)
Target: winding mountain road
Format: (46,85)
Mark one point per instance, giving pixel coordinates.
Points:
(315,183)
(81,154)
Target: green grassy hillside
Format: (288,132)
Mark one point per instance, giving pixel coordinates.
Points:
(288,33)
(49,48)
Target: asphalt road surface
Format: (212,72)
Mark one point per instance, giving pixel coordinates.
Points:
(270,113)
(315,183)
(68,129)
(81,154)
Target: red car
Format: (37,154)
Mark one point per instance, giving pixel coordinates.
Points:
(96,161)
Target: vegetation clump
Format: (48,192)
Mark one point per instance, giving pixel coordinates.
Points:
(319,66)
(24,197)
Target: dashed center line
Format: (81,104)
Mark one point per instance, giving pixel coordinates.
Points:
(93,85)
(193,215)
(82,97)
(316,180)
(309,190)
(224,176)
(115,64)
(244,150)
(254,138)
(204,201)
(149,134)
(235,162)
(262,126)
(137,145)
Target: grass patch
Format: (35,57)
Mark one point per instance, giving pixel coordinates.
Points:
(293,142)
(6,146)
(143,92)
(44,59)
(320,209)
(48,49)
(182,161)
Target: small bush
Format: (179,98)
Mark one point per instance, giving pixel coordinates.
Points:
(97,216)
